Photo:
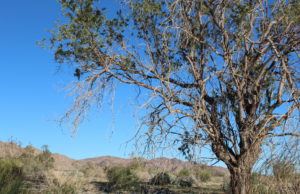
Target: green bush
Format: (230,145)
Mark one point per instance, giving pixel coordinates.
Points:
(163,179)
(27,155)
(152,171)
(137,168)
(183,183)
(46,158)
(184,173)
(205,176)
(168,172)
(34,167)
(12,178)
(121,178)
(202,175)
(35,164)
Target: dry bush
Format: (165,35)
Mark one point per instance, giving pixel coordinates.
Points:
(279,171)
(34,167)
(95,173)
(143,176)
(152,171)
(60,182)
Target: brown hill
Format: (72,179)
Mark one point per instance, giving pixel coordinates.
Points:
(62,162)
(160,164)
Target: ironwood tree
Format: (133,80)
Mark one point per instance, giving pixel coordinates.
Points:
(222,73)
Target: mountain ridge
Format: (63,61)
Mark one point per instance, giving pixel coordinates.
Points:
(63,162)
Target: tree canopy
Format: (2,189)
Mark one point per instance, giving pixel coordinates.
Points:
(215,72)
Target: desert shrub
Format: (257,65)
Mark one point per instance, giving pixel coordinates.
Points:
(46,157)
(76,173)
(35,164)
(12,177)
(163,179)
(142,176)
(152,171)
(121,178)
(185,183)
(226,186)
(27,155)
(205,176)
(169,172)
(135,162)
(63,182)
(34,167)
(137,168)
(259,184)
(283,170)
(202,175)
(94,172)
(184,173)
(192,179)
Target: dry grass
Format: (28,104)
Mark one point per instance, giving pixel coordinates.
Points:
(61,182)
(143,176)
(95,173)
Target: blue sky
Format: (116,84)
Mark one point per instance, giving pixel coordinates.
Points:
(29,97)
(28,94)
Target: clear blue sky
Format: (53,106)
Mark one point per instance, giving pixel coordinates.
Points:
(28,96)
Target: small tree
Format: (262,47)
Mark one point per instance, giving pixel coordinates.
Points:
(216,70)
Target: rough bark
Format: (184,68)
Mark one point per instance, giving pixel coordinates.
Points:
(240,179)
(239,164)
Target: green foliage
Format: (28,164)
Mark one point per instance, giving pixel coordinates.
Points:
(12,177)
(140,169)
(185,183)
(32,163)
(136,163)
(163,179)
(45,157)
(27,155)
(121,178)
(184,173)
(34,167)
(152,171)
(169,172)
(192,180)
(203,175)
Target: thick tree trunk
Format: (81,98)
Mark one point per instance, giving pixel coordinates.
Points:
(240,166)
(240,179)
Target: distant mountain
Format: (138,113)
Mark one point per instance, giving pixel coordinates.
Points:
(62,162)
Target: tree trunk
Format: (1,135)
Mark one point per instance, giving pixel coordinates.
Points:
(239,165)
(240,179)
